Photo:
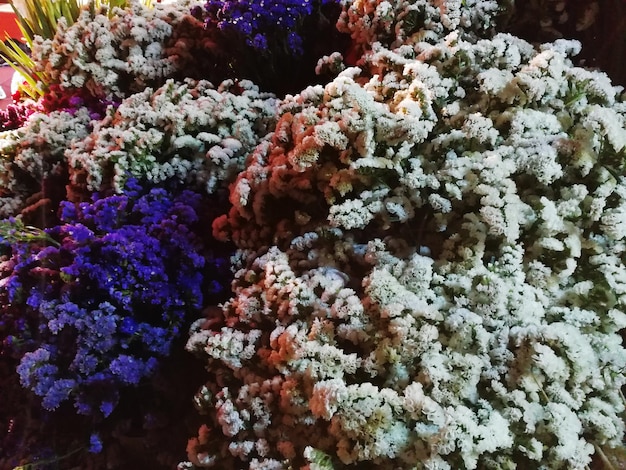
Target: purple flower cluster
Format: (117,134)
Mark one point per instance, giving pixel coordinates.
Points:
(58,98)
(15,115)
(104,302)
(260,21)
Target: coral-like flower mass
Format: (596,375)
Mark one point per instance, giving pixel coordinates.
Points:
(110,296)
(417,260)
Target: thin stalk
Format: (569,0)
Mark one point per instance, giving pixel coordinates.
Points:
(605,460)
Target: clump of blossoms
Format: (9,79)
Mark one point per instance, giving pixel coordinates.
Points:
(255,20)
(15,115)
(431,268)
(190,131)
(274,43)
(113,54)
(33,169)
(408,22)
(103,295)
(32,161)
(57,98)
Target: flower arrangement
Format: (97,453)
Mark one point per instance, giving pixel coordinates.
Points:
(548,20)
(15,116)
(430,284)
(415,260)
(275,43)
(256,21)
(191,131)
(96,268)
(39,21)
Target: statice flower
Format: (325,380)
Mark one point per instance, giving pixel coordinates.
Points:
(431,267)
(192,131)
(32,166)
(255,20)
(105,293)
(275,43)
(393,24)
(112,55)
(15,115)
(56,98)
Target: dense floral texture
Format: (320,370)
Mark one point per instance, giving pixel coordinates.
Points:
(118,54)
(113,56)
(102,305)
(191,131)
(33,167)
(276,43)
(15,115)
(432,268)
(255,20)
(57,99)
(409,22)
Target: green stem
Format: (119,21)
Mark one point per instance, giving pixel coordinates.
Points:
(34,465)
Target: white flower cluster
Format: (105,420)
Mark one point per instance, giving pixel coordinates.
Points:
(394,23)
(432,268)
(191,131)
(115,54)
(34,152)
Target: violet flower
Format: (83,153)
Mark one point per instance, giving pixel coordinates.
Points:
(105,293)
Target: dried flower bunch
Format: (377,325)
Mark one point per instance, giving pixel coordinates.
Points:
(112,52)
(111,274)
(29,162)
(430,264)
(98,299)
(191,131)
(15,115)
(254,20)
